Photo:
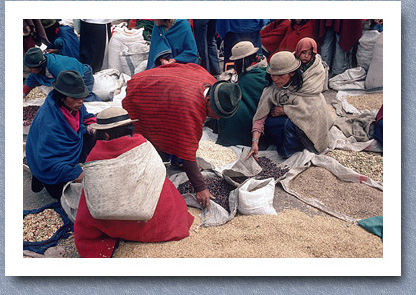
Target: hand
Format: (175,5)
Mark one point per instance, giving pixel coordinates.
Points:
(90,130)
(79,178)
(277,111)
(203,198)
(378,21)
(51,50)
(171,61)
(254,151)
(163,61)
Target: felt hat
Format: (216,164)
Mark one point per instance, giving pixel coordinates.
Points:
(224,98)
(242,49)
(70,83)
(34,58)
(47,23)
(112,117)
(283,62)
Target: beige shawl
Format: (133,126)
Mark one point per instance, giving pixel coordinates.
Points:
(306,108)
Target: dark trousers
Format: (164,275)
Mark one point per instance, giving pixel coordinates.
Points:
(205,30)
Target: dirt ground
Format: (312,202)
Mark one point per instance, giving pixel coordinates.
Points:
(298,230)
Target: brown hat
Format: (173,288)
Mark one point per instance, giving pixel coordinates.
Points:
(242,49)
(112,117)
(283,62)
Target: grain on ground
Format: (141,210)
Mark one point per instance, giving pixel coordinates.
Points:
(215,154)
(369,164)
(369,102)
(356,200)
(290,234)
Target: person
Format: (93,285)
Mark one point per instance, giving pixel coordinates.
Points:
(306,51)
(146,24)
(60,136)
(251,78)
(272,35)
(94,37)
(337,38)
(45,68)
(117,142)
(292,112)
(205,37)
(298,29)
(33,34)
(172,41)
(172,103)
(378,128)
(63,39)
(231,31)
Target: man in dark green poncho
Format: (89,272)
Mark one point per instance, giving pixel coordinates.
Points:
(251,77)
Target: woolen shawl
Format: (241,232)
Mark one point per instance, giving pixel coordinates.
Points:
(53,148)
(306,108)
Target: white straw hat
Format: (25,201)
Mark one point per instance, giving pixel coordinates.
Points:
(283,62)
(242,49)
(112,117)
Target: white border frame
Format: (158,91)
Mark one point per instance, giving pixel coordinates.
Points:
(389,265)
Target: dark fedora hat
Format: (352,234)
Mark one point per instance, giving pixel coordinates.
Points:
(225,97)
(70,83)
(34,58)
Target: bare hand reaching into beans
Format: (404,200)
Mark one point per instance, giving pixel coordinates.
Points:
(203,198)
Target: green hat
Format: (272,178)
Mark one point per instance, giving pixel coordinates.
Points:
(47,23)
(70,83)
(34,58)
(225,97)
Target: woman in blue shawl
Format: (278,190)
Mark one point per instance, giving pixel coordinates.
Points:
(45,68)
(172,41)
(60,137)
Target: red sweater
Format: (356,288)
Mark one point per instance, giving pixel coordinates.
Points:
(171,107)
(96,238)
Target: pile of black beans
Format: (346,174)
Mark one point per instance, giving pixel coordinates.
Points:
(218,187)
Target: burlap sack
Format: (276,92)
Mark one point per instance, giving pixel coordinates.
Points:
(127,187)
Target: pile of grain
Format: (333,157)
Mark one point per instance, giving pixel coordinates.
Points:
(366,102)
(35,93)
(366,163)
(291,234)
(215,154)
(355,200)
(41,226)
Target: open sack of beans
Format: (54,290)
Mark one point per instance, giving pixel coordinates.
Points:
(247,187)
(43,227)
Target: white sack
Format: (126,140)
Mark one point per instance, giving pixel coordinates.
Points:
(375,71)
(255,197)
(351,79)
(365,48)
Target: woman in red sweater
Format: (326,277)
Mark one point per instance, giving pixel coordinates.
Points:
(117,143)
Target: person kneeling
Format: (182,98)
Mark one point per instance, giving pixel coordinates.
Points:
(126,194)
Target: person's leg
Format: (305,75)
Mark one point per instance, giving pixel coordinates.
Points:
(55,190)
(214,65)
(340,62)
(200,30)
(327,47)
(92,44)
(37,185)
(282,133)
